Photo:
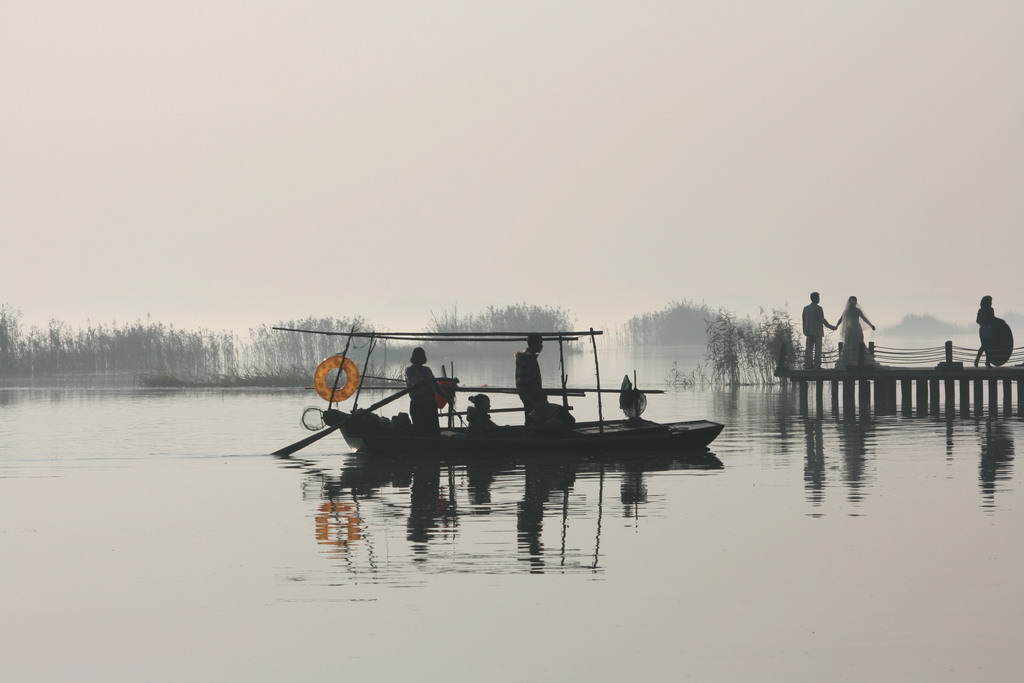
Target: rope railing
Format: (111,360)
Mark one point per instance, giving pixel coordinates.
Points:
(902,357)
(926,356)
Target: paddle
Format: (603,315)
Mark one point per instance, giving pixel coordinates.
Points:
(299,445)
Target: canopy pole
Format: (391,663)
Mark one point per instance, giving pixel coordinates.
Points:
(565,377)
(451,410)
(344,355)
(597,370)
(366,364)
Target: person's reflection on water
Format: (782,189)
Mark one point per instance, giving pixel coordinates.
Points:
(540,478)
(480,477)
(632,493)
(426,504)
(854,435)
(996,460)
(814,463)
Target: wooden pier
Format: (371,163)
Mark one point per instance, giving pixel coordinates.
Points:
(950,387)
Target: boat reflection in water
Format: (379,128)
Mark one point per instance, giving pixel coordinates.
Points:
(479,515)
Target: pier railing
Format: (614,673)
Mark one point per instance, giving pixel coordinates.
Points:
(922,381)
(922,357)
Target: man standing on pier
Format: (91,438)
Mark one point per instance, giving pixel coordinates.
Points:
(814,329)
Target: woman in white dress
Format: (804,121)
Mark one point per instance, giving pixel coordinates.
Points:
(852,336)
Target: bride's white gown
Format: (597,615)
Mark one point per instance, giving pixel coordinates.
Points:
(853,339)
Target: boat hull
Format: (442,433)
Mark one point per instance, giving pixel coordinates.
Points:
(617,437)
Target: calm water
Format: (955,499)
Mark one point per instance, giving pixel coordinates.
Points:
(146,535)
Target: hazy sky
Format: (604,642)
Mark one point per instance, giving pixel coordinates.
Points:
(231,163)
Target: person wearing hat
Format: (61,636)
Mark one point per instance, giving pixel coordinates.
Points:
(528,371)
(478,416)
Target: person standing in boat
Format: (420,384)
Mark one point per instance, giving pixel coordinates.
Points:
(422,403)
(814,329)
(528,371)
(986,318)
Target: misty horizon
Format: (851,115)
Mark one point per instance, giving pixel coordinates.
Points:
(396,159)
(910,320)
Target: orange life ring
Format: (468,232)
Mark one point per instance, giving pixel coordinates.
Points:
(326,389)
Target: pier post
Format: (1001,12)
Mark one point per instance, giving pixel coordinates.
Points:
(979,397)
(993,398)
(922,397)
(865,396)
(819,397)
(803,397)
(907,395)
(950,396)
(1020,397)
(949,353)
(885,397)
(848,394)
(1007,397)
(834,392)
(965,398)
(933,393)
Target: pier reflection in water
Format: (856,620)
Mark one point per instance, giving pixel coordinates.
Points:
(386,516)
(856,442)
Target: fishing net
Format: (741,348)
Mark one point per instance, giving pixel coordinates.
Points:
(632,401)
(313,419)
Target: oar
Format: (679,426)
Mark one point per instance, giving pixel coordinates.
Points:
(299,445)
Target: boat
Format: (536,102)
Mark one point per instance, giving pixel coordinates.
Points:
(368,433)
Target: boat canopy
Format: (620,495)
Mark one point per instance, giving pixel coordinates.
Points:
(450,336)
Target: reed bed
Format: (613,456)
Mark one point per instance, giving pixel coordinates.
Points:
(746,351)
(512,318)
(739,351)
(103,349)
(162,355)
(681,322)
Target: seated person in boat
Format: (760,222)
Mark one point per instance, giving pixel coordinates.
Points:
(478,416)
(549,416)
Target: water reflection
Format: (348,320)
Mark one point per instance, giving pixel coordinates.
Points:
(485,515)
(996,460)
(854,437)
(814,463)
(540,479)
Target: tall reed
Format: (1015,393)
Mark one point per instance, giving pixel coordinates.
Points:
(746,352)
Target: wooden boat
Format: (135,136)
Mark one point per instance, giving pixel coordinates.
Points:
(378,436)
(367,432)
